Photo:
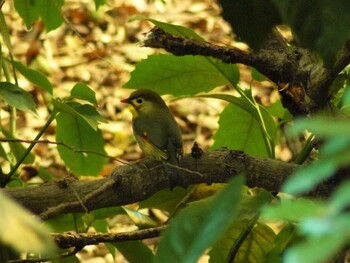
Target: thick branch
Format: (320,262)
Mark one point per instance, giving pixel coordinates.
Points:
(303,79)
(136,182)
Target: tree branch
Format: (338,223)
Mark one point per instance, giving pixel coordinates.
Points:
(68,240)
(303,80)
(136,182)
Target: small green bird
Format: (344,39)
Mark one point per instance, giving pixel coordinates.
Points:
(155,128)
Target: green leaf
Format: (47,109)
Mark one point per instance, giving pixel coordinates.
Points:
(248,107)
(67,222)
(174,30)
(82,91)
(50,12)
(99,3)
(295,210)
(128,249)
(5,33)
(107,212)
(22,231)
(252,20)
(256,75)
(315,28)
(340,199)
(187,75)
(75,132)
(17,97)
(198,226)
(166,199)
(3,153)
(27,11)
(307,178)
(245,135)
(316,249)
(140,219)
(256,245)
(33,76)
(277,109)
(321,126)
(258,242)
(85,112)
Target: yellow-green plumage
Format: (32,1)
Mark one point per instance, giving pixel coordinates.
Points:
(155,128)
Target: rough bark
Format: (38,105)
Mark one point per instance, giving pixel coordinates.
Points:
(135,182)
(303,80)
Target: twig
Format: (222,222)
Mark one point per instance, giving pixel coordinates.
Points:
(73,240)
(73,149)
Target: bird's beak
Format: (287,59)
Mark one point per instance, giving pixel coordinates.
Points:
(125,101)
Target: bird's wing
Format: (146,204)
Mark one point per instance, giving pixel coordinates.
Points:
(150,149)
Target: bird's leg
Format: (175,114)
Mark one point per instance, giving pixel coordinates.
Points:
(174,175)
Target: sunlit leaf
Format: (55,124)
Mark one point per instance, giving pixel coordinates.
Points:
(27,11)
(187,75)
(21,230)
(50,12)
(76,133)
(82,91)
(128,248)
(140,219)
(239,130)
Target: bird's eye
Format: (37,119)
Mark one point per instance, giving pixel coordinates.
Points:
(139,100)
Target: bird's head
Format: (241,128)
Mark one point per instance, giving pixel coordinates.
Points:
(144,101)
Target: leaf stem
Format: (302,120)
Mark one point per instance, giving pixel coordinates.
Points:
(28,150)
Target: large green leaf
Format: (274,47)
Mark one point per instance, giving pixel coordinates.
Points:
(258,242)
(317,23)
(198,226)
(250,109)
(135,251)
(17,97)
(251,20)
(316,249)
(50,12)
(76,133)
(27,11)
(239,130)
(21,230)
(187,75)
(255,246)
(67,222)
(325,238)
